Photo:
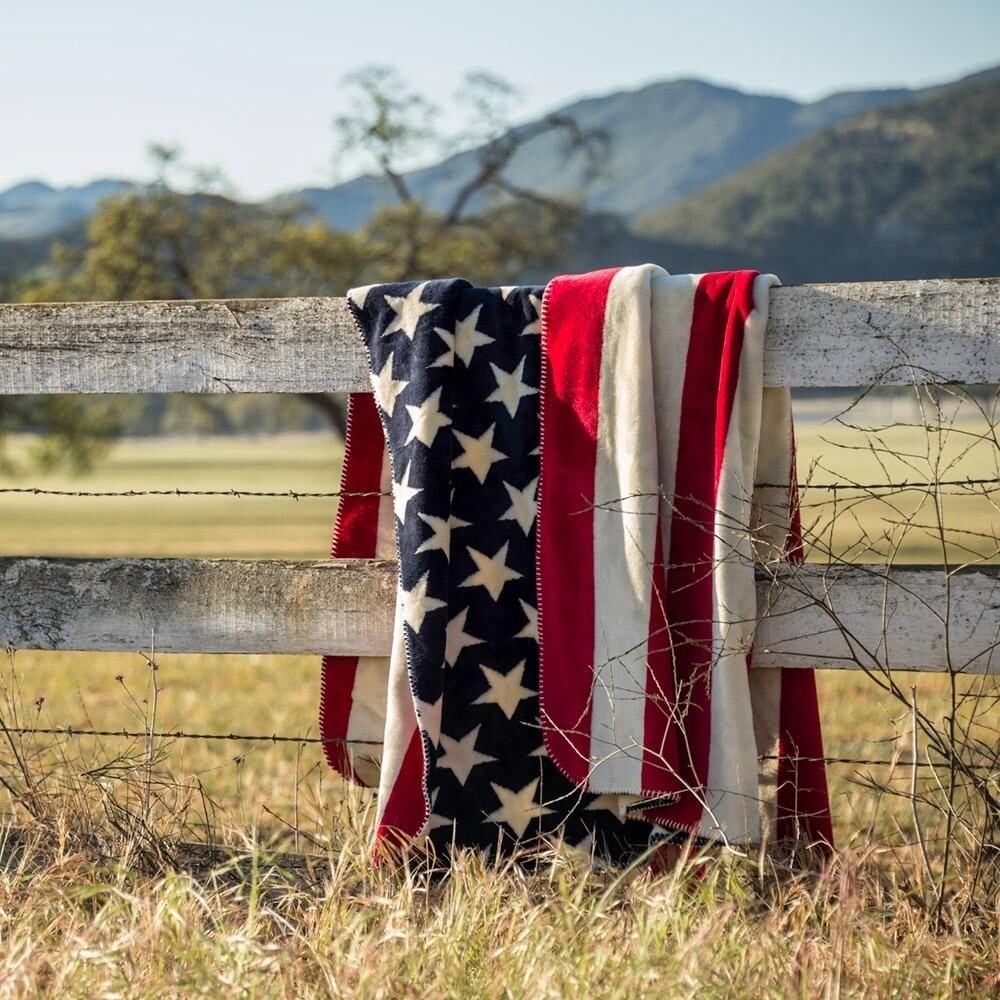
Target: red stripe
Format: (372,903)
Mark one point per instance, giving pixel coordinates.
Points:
(572,336)
(733,293)
(354,537)
(356,530)
(722,303)
(405,810)
(661,745)
(803,800)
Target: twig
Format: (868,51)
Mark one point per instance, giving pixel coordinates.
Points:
(913,786)
(151,737)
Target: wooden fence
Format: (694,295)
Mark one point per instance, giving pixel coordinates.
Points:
(892,333)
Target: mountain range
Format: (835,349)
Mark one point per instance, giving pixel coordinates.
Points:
(876,183)
(34,208)
(906,191)
(667,140)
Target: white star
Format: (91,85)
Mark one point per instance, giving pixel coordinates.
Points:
(530,630)
(416,605)
(434,821)
(478,454)
(429,713)
(358,296)
(447,359)
(506,690)
(534,328)
(517,809)
(440,532)
(540,751)
(492,571)
(403,493)
(457,638)
(522,505)
(461,756)
(505,290)
(427,419)
(408,310)
(510,388)
(468,338)
(387,388)
(608,803)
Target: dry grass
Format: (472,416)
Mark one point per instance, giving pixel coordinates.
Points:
(80,915)
(91,926)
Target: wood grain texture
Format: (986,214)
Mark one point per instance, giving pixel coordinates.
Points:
(208,606)
(876,617)
(235,345)
(889,333)
(818,335)
(240,606)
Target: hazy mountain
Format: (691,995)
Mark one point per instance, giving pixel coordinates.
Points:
(906,191)
(668,140)
(36,209)
(790,184)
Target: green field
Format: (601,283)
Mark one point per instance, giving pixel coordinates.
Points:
(382,932)
(181,526)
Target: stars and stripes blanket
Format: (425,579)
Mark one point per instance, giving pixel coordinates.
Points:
(566,478)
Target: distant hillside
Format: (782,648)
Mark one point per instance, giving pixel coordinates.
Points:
(866,184)
(668,140)
(900,192)
(35,209)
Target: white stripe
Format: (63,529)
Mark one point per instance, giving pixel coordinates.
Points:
(624,533)
(732,797)
(771,515)
(385,539)
(367,719)
(401,719)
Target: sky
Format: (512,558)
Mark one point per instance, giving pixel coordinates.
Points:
(251,87)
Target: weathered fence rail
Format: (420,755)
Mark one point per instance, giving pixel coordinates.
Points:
(817,336)
(852,617)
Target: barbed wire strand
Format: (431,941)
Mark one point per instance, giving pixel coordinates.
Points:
(232,492)
(72,731)
(275,738)
(324,495)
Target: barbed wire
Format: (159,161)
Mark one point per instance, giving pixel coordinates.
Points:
(275,738)
(231,492)
(906,484)
(72,731)
(968,483)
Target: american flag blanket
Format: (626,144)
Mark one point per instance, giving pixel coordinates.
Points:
(566,476)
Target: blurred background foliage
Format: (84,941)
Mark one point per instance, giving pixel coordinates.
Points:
(185,237)
(857,186)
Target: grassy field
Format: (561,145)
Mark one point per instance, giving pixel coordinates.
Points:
(213,694)
(505,935)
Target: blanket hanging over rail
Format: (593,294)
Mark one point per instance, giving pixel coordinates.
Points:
(610,498)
